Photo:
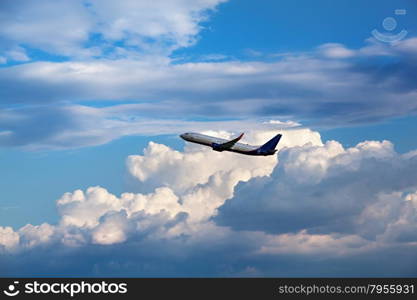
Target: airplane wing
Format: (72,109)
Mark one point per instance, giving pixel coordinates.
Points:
(227,145)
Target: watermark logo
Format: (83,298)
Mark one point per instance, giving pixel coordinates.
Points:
(390,24)
(68,288)
(12,290)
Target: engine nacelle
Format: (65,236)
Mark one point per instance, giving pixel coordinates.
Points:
(265,153)
(217,147)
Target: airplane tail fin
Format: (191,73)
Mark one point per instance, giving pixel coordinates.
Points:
(269,146)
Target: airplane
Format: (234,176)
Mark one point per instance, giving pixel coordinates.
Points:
(218,144)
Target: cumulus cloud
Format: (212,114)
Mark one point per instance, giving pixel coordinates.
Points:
(198,212)
(8,238)
(231,215)
(31,236)
(161,165)
(327,189)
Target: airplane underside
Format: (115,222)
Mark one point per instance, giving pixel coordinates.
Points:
(220,145)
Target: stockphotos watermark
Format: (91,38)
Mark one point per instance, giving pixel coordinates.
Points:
(71,288)
(389,24)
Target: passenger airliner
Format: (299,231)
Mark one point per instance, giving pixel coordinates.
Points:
(220,145)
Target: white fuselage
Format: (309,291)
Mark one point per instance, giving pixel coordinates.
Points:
(209,140)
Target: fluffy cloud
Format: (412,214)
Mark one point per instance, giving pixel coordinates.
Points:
(31,236)
(181,171)
(327,189)
(8,238)
(42,25)
(232,215)
(173,23)
(93,28)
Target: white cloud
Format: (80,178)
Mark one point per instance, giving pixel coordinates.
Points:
(31,236)
(183,182)
(17,54)
(88,28)
(133,40)
(284,124)
(408,46)
(321,244)
(173,22)
(112,229)
(39,128)
(334,50)
(214,57)
(59,27)
(319,201)
(327,189)
(180,171)
(9,239)
(327,92)
(85,209)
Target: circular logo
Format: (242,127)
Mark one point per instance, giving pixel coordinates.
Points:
(389,23)
(11,290)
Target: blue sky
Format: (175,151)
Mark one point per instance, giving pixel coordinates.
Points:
(83,91)
(281,26)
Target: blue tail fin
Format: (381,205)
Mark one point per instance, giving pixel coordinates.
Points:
(271,144)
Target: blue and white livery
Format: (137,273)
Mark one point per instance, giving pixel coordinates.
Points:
(218,144)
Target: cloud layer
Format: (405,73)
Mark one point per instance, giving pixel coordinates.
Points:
(330,86)
(222,214)
(104,70)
